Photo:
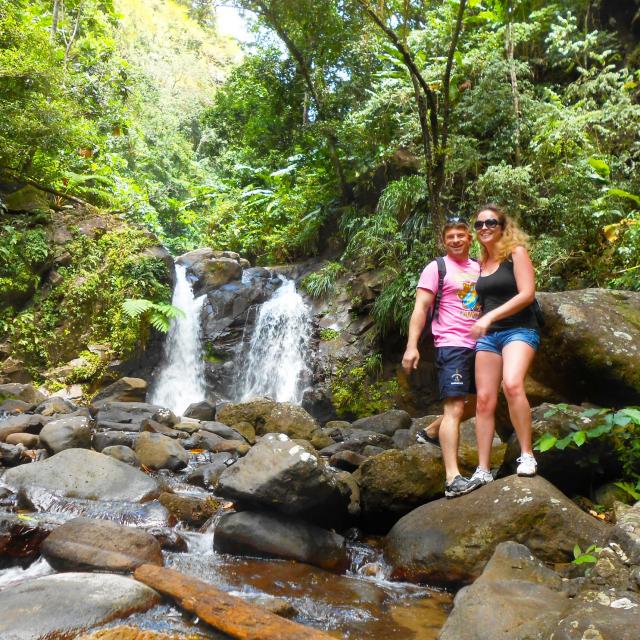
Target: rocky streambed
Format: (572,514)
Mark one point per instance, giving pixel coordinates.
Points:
(338,526)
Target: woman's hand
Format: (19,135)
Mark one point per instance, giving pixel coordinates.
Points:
(481,327)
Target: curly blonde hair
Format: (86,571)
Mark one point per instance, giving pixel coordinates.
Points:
(512,235)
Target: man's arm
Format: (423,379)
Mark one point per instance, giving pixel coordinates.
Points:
(424,299)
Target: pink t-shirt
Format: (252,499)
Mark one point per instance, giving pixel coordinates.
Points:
(459,307)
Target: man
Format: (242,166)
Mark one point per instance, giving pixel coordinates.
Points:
(457,310)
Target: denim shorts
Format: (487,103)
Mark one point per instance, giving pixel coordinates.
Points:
(456,371)
(496,341)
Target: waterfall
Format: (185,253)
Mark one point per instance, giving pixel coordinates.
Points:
(181,379)
(275,362)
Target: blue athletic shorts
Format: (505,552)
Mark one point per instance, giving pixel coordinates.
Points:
(496,341)
(456,371)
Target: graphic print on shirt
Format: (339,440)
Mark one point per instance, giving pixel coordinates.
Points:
(470,301)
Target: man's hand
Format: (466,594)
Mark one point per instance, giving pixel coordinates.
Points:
(410,359)
(481,327)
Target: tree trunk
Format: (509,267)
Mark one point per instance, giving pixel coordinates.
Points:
(54,18)
(514,82)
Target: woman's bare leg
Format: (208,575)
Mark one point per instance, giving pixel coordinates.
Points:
(517,357)
(488,376)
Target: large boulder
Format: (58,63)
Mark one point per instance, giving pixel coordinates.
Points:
(209,269)
(129,416)
(156,451)
(80,473)
(267,535)
(287,476)
(23,423)
(122,390)
(516,597)
(626,533)
(290,419)
(84,544)
(62,605)
(395,482)
(207,475)
(246,417)
(387,423)
(66,433)
(450,541)
(55,406)
(203,410)
(24,392)
(595,335)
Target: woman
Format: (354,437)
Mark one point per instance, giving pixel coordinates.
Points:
(507,335)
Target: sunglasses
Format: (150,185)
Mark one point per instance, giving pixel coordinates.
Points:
(455,220)
(490,223)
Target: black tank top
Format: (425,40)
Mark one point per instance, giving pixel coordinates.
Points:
(496,289)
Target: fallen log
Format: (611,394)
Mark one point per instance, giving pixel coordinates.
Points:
(228,614)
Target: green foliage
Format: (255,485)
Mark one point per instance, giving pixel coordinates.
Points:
(357,391)
(620,429)
(158,314)
(322,283)
(587,556)
(328,334)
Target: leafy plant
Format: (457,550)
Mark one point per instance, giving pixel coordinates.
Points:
(328,334)
(587,556)
(158,314)
(322,283)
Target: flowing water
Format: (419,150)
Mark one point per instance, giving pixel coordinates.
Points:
(276,360)
(181,379)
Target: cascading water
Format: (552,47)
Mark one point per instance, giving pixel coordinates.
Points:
(181,380)
(276,360)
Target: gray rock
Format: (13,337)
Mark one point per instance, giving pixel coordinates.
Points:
(16,406)
(123,453)
(217,444)
(284,475)
(123,390)
(156,427)
(401,439)
(81,473)
(58,605)
(222,430)
(22,424)
(516,597)
(66,433)
(387,423)
(28,440)
(210,269)
(55,405)
(104,439)
(12,454)
(358,440)
(346,460)
(130,415)
(627,533)
(84,544)
(275,536)
(203,410)
(24,392)
(207,475)
(160,452)
(437,543)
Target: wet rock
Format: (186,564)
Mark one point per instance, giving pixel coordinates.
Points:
(128,633)
(104,439)
(450,541)
(210,269)
(169,539)
(316,401)
(21,535)
(84,544)
(553,464)
(122,390)
(608,494)
(61,604)
(289,419)
(595,333)
(222,430)
(279,606)
(16,406)
(395,482)
(203,410)
(123,453)
(284,475)
(207,475)
(28,440)
(66,433)
(12,455)
(516,597)
(596,615)
(129,416)
(55,405)
(191,510)
(188,425)
(346,460)
(85,474)
(275,536)
(151,426)
(387,423)
(156,451)
(358,440)
(25,392)
(217,444)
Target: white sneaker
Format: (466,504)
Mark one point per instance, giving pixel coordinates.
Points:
(480,477)
(528,465)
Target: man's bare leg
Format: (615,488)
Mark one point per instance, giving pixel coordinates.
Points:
(449,435)
(433,428)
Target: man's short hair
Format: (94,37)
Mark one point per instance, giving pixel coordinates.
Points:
(455,222)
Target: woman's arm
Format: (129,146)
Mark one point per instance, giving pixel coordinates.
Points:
(526,283)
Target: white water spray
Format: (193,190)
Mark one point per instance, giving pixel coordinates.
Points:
(276,364)
(181,380)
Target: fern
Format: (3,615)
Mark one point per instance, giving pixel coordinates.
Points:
(322,282)
(158,314)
